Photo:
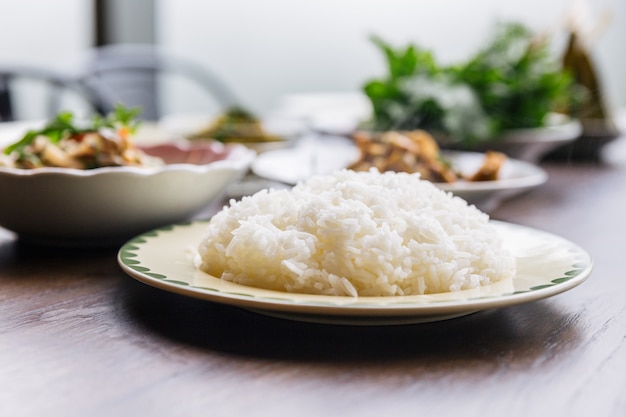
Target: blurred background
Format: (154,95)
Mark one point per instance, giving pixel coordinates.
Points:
(266,50)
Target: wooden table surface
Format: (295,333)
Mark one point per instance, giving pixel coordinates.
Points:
(78,337)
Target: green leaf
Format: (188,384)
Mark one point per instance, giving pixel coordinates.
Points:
(63,126)
(513,80)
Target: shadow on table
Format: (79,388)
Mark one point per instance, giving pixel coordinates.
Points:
(520,334)
(27,263)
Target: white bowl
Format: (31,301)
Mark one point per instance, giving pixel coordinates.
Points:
(108,205)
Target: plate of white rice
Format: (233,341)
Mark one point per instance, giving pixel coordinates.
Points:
(356,248)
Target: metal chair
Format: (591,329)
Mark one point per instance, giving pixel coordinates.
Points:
(131,74)
(57,86)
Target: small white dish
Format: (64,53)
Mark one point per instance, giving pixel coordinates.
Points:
(327,155)
(546,265)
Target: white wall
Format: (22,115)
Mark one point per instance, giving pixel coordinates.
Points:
(42,33)
(267,48)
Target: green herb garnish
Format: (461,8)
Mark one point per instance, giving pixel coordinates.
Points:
(63,126)
(119,117)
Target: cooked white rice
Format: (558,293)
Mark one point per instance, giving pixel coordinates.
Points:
(365,234)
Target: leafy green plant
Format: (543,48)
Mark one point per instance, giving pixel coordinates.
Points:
(511,83)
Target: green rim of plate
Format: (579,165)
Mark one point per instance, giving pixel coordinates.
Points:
(577,265)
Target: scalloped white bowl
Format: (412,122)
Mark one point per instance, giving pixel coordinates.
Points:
(107,205)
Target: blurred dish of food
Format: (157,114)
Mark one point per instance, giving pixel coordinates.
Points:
(417,151)
(88,183)
(529,144)
(501,177)
(511,85)
(65,143)
(483,179)
(238,125)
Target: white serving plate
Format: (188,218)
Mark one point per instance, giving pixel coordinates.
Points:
(546,266)
(290,166)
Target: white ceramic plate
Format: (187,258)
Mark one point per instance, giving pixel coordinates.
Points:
(546,265)
(323,157)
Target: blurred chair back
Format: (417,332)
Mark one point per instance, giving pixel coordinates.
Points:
(131,74)
(21,89)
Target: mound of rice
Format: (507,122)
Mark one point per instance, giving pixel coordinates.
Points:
(357,234)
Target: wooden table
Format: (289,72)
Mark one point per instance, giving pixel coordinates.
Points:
(78,337)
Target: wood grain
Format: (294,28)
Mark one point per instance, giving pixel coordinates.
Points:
(80,338)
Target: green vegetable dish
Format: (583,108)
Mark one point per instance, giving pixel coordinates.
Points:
(65,143)
(511,83)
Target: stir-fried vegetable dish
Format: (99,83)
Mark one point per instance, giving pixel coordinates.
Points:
(417,151)
(236,125)
(65,143)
